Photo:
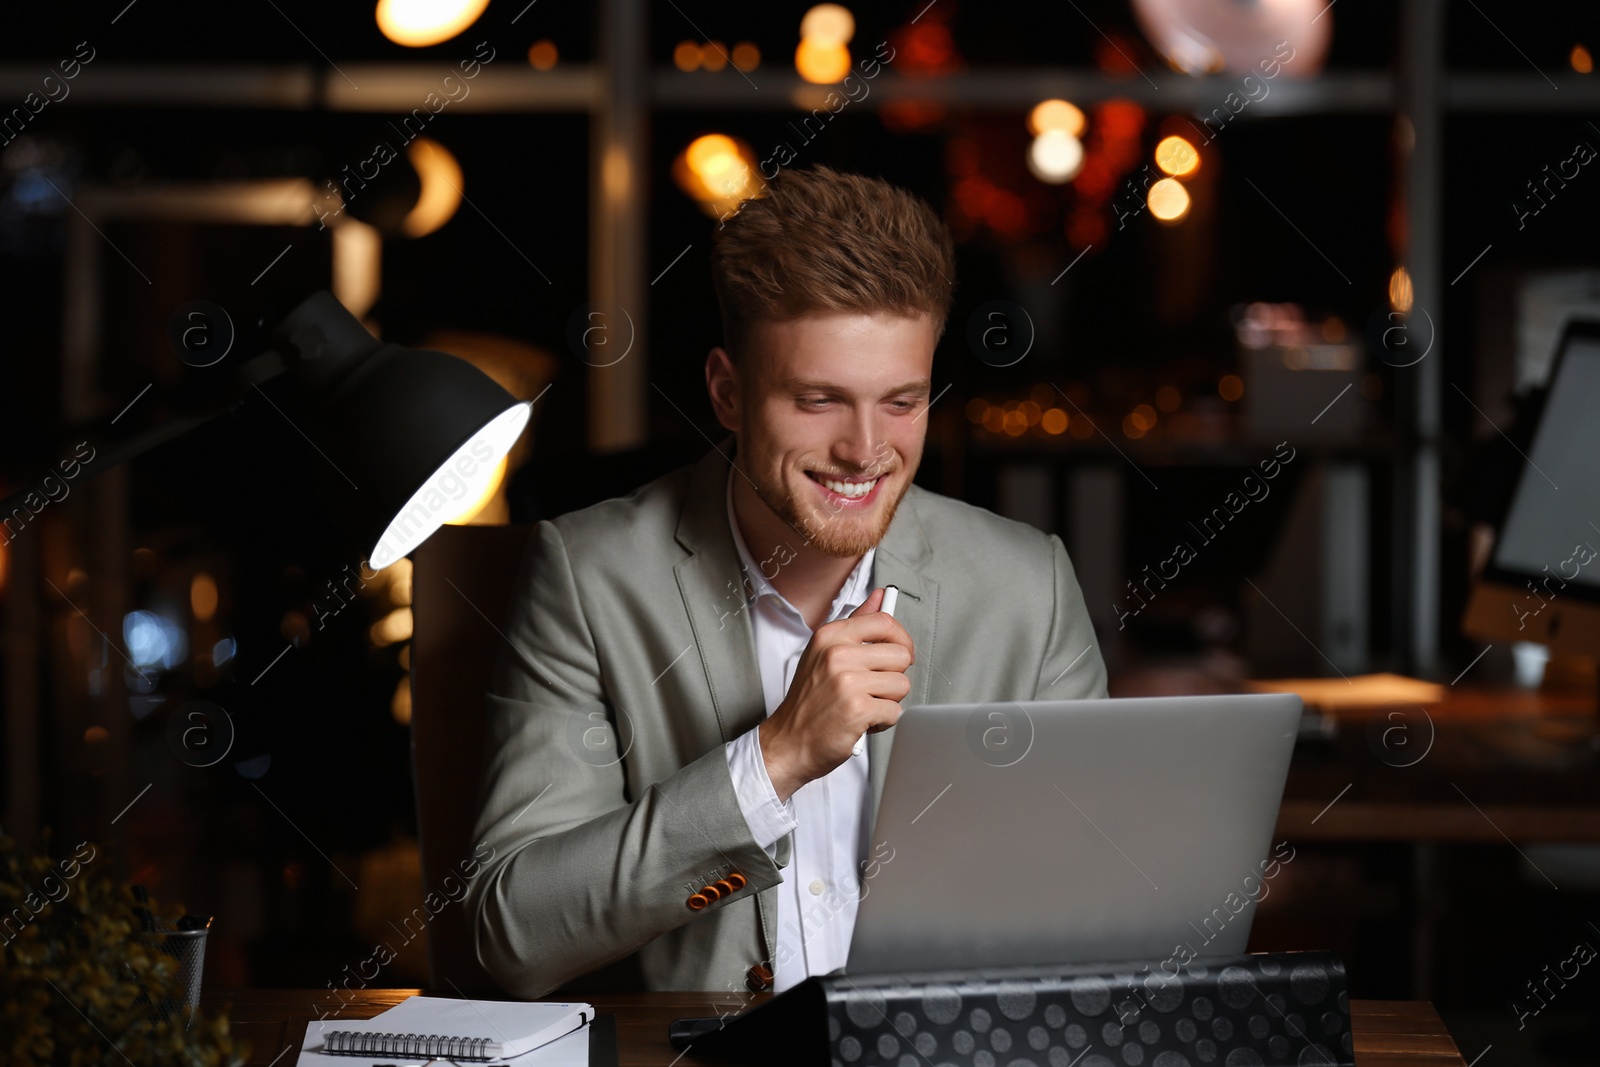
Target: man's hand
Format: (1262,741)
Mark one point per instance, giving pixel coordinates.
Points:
(849,681)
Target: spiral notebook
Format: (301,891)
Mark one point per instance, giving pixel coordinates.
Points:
(478,1031)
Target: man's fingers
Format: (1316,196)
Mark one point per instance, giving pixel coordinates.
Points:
(875,626)
(874,602)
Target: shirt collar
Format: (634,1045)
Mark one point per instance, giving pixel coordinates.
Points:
(852,594)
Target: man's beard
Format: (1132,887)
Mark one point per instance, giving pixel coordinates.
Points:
(825,531)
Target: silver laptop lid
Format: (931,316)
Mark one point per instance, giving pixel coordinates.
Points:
(1073,831)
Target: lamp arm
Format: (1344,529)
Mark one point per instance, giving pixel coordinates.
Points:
(261,368)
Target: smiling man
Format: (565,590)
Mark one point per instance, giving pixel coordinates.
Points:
(671,790)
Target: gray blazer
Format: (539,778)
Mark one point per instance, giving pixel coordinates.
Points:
(631,660)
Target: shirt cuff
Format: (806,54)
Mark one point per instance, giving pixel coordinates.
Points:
(769,818)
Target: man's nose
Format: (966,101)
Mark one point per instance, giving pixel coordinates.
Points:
(863,448)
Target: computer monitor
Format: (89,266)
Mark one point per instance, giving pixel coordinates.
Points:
(1542,582)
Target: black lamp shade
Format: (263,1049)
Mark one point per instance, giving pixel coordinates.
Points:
(410,437)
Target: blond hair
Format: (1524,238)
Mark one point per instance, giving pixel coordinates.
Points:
(823,241)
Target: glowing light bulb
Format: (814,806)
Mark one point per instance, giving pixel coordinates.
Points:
(1400,294)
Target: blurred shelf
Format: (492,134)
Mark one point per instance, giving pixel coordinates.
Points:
(399,87)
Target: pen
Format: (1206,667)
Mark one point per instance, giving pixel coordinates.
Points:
(891,596)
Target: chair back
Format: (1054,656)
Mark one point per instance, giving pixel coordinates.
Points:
(461,585)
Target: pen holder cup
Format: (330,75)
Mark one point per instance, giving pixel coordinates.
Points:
(188,948)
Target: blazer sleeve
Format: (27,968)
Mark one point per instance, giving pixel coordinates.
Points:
(580,873)
(1072,668)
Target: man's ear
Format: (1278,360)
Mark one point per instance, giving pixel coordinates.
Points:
(723,387)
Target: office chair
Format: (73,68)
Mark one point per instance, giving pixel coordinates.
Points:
(461,590)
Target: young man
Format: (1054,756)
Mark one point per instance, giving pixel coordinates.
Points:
(671,795)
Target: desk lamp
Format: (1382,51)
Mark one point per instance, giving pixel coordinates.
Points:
(407,433)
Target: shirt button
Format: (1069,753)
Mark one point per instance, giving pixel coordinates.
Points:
(817,887)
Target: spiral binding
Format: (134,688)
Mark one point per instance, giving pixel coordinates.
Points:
(361,1042)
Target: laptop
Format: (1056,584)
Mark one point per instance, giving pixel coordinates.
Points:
(1073,831)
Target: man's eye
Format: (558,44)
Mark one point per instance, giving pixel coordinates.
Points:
(813,401)
(903,405)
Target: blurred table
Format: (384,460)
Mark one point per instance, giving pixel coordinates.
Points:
(1486,765)
(1387,1033)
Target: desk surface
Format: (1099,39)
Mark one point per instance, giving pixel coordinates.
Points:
(1387,1033)
(1486,765)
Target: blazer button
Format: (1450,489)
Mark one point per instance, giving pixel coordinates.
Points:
(758,978)
(737,880)
(697,901)
(725,886)
(711,891)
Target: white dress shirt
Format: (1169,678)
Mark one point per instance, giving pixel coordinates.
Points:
(820,892)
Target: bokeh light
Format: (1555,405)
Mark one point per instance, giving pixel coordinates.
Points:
(1231,387)
(1055,115)
(686,56)
(442,184)
(1055,157)
(419,23)
(828,24)
(542,55)
(1168,200)
(746,56)
(1055,421)
(822,62)
(1400,292)
(1581,60)
(1177,157)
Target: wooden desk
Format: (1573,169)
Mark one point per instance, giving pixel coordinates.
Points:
(1387,1033)
(1499,764)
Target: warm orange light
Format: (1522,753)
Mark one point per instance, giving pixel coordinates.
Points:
(976,408)
(1055,115)
(542,55)
(822,62)
(714,56)
(203,597)
(719,171)
(686,56)
(1055,421)
(419,23)
(994,419)
(1168,399)
(400,703)
(1581,60)
(1400,293)
(746,56)
(1168,200)
(465,516)
(1231,387)
(1145,416)
(1131,427)
(828,23)
(393,627)
(1016,423)
(1030,411)
(442,182)
(1177,157)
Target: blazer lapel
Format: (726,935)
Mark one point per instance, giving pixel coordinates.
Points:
(714,597)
